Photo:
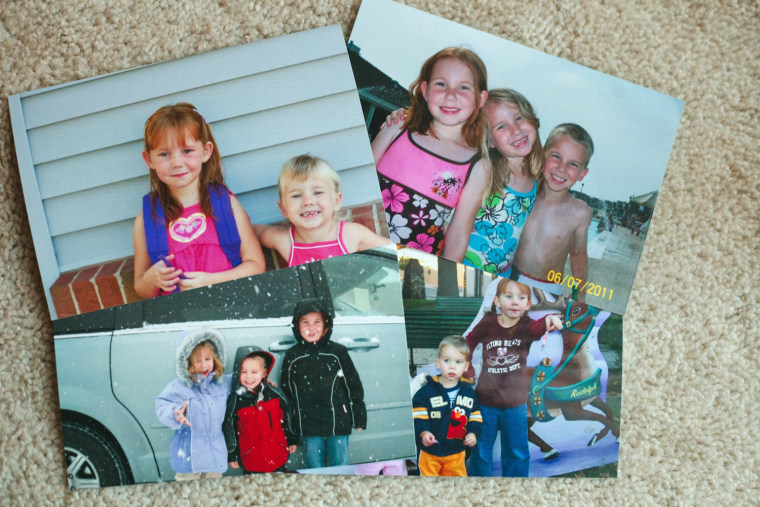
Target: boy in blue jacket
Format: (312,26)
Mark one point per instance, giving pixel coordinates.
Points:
(446,413)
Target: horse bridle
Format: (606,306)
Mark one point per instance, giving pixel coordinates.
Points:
(570,325)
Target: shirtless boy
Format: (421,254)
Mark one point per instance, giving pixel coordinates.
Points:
(558,224)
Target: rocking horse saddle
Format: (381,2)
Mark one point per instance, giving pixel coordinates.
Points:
(583,390)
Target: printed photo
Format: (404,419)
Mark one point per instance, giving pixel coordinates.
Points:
(196,171)
(538,377)
(302,369)
(508,159)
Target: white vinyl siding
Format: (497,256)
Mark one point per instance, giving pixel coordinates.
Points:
(79,144)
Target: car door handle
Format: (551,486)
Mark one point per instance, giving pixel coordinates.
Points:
(282,345)
(359,344)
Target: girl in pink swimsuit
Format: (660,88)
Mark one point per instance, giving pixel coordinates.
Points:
(423,164)
(310,199)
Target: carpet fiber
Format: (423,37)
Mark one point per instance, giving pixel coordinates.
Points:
(691,342)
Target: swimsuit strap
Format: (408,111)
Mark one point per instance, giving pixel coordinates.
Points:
(292,245)
(341,243)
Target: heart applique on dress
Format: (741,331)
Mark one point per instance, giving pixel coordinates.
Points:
(186,229)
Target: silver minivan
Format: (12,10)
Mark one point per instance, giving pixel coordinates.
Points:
(112,364)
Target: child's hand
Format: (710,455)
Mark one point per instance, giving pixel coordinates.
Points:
(194,279)
(470,440)
(179,415)
(553,323)
(397,116)
(428,439)
(292,448)
(234,464)
(271,382)
(162,276)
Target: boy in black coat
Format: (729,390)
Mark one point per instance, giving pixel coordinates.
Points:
(321,380)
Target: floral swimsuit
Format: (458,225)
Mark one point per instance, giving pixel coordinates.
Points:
(498,227)
(420,190)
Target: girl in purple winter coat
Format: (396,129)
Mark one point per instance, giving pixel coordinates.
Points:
(193,405)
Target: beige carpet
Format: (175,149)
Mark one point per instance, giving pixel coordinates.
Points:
(690,431)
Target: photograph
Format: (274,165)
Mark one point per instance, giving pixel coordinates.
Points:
(508,159)
(544,373)
(302,369)
(121,172)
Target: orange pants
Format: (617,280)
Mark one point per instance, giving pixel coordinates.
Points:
(452,465)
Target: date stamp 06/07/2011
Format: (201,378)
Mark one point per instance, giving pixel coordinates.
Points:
(580,285)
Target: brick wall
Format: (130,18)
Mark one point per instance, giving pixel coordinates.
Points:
(112,283)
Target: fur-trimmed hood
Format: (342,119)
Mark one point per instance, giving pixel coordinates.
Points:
(188,341)
(307,306)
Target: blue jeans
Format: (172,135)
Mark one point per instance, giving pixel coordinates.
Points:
(337,451)
(515,456)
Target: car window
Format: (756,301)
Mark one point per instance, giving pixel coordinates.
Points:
(366,284)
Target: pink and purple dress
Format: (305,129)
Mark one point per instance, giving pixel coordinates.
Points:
(198,244)
(195,244)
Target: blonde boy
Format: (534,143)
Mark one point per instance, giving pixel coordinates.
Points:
(558,224)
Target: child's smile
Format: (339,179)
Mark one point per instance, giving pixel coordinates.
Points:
(312,326)
(310,203)
(512,134)
(178,162)
(203,362)
(252,372)
(565,163)
(450,93)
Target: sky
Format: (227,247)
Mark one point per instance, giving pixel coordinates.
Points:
(633,128)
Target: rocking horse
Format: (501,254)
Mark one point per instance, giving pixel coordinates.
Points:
(576,382)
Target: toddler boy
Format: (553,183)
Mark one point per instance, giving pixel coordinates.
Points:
(446,413)
(258,426)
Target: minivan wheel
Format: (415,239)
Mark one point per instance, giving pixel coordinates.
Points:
(92,460)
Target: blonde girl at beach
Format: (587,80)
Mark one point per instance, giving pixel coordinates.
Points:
(489,218)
